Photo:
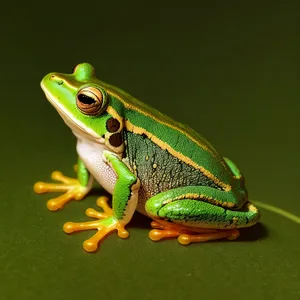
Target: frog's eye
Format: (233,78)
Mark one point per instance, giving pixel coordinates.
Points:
(89,101)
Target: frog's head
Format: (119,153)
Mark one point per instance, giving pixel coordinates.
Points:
(80,100)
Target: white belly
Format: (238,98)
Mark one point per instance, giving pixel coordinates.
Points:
(91,154)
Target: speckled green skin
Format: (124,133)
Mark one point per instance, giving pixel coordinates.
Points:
(205,189)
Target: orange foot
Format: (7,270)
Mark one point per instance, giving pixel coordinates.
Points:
(185,236)
(72,188)
(105,225)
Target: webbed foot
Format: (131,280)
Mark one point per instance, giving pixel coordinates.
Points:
(105,225)
(71,186)
(186,236)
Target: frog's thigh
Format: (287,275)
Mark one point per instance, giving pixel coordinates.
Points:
(195,213)
(184,206)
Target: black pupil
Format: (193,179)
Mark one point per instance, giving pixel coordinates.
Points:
(86,99)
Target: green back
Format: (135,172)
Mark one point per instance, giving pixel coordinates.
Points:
(183,142)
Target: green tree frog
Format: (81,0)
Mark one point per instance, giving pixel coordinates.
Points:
(148,163)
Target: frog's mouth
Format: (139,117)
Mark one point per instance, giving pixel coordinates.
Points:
(78,128)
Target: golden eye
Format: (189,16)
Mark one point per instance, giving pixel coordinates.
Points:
(89,101)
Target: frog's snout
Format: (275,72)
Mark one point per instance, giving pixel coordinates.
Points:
(51,80)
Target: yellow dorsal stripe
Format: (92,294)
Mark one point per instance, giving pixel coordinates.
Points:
(156,119)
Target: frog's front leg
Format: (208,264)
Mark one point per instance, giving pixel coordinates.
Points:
(181,213)
(75,189)
(124,202)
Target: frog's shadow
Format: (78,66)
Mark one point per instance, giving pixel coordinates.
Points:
(140,221)
(256,232)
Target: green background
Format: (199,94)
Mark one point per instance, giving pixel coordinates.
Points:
(230,71)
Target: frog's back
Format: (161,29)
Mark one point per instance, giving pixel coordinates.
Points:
(179,140)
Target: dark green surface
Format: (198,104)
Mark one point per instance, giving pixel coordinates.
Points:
(229,71)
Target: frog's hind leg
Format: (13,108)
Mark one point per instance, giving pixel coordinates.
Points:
(192,220)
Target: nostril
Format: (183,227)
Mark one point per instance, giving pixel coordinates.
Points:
(56,79)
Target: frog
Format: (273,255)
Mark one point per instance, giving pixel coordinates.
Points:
(148,162)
